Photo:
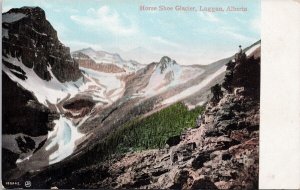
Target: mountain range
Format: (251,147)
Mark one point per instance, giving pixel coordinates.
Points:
(104,61)
(60,105)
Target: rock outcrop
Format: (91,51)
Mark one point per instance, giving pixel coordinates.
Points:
(28,36)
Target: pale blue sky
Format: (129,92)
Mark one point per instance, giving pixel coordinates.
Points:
(119,26)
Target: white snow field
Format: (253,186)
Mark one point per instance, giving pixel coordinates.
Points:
(173,75)
(194,89)
(103,57)
(110,84)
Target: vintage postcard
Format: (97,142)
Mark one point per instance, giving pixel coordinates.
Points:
(131,94)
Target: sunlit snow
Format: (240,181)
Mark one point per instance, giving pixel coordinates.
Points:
(104,87)
(52,90)
(110,86)
(64,135)
(194,89)
(102,57)
(173,75)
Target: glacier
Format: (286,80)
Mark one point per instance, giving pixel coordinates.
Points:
(64,137)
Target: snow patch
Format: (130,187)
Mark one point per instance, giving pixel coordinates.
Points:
(9,142)
(12,17)
(20,160)
(5,33)
(52,90)
(194,89)
(109,85)
(43,34)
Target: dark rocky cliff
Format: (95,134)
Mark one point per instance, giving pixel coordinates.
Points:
(30,38)
(22,115)
(33,40)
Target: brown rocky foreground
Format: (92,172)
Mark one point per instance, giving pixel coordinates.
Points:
(222,153)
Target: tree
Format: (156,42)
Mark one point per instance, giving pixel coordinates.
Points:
(227,84)
(217,93)
(247,75)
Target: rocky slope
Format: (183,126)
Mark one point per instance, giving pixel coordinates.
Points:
(220,153)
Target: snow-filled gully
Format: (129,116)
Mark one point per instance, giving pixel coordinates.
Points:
(61,141)
(64,137)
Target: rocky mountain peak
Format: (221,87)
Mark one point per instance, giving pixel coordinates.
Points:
(30,11)
(165,59)
(165,62)
(30,38)
(88,49)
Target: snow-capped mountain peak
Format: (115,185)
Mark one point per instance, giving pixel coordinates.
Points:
(166,62)
(105,59)
(166,59)
(166,74)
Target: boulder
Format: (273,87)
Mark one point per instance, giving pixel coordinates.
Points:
(172,141)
